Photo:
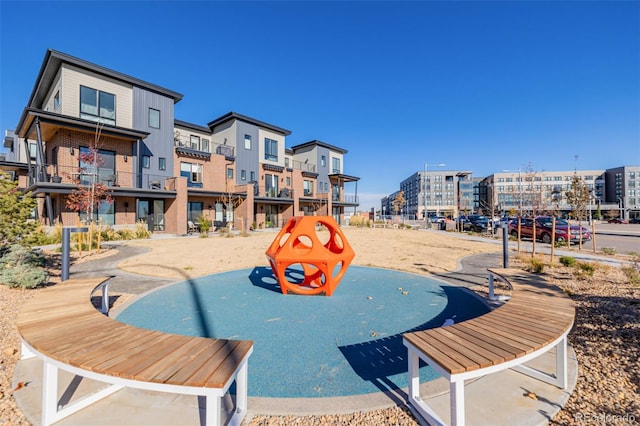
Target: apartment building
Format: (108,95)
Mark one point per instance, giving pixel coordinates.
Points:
(158,169)
(622,188)
(615,192)
(439,192)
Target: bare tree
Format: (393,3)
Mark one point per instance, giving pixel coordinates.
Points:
(578,198)
(398,202)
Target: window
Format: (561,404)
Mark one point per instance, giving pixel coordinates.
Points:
(162,163)
(243,174)
(105,210)
(195,142)
(102,170)
(194,210)
(288,181)
(33,151)
(154,118)
(146,161)
(97,106)
(205,145)
(286,161)
(252,176)
(193,173)
(270,149)
(247,141)
(323,160)
(229,173)
(335,165)
(56,100)
(271,185)
(308,188)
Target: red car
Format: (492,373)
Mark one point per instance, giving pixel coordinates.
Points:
(544,224)
(617,220)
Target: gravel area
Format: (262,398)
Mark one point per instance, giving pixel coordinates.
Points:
(606,338)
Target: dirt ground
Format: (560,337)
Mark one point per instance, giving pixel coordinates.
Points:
(402,249)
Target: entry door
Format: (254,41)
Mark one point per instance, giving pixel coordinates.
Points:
(158,215)
(151,212)
(271,216)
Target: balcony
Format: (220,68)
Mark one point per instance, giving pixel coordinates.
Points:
(282,194)
(73,176)
(303,166)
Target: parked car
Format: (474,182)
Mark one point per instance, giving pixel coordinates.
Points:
(634,220)
(437,219)
(544,224)
(477,223)
(617,220)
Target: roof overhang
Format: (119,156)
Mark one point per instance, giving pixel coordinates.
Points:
(51,122)
(52,62)
(316,142)
(343,178)
(235,116)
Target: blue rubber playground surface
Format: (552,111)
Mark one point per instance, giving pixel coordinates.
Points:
(311,346)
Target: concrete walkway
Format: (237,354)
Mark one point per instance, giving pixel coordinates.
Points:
(497,399)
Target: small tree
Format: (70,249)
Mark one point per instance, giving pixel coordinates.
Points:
(578,198)
(398,202)
(15,213)
(90,193)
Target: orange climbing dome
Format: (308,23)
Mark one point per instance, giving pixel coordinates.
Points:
(317,244)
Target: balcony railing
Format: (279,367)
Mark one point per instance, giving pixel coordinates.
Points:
(305,167)
(87,176)
(282,193)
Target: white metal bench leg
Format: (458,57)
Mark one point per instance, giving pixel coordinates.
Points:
(414,376)
(49,393)
(241,388)
(213,410)
(559,378)
(457,402)
(413,398)
(561,363)
(25,351)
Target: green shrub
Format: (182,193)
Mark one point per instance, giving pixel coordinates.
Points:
(568,260)
(204,223)
(535,265)
(609,250)
(633,274)
(109,234)
(586,268)
(22,267)
(142,232)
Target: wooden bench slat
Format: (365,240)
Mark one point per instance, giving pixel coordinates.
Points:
(121,348)
(167,365)
(221,374)
(421,342)
(501,349)
(513,332)
(192,365)
(476,355)
(186,356)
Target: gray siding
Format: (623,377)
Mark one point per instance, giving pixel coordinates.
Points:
(323,171)
(159,143)
(247,159)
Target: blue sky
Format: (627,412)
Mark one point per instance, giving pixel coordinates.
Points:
(480,86)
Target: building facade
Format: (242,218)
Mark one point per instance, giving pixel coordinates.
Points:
(438,193)
(86,125)
(615,192)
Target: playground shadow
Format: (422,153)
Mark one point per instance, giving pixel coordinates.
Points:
(378,360)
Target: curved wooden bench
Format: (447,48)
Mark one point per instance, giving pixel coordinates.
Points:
(61,326)
(537,318)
